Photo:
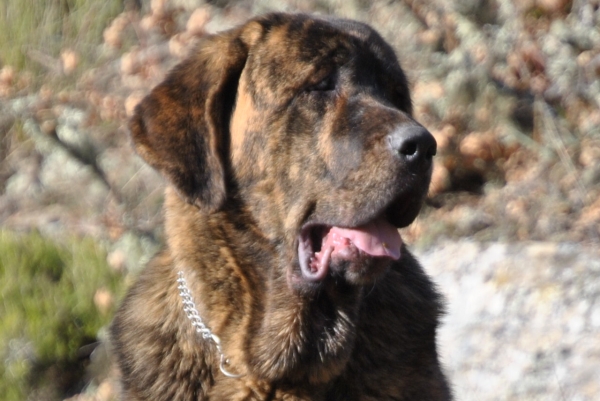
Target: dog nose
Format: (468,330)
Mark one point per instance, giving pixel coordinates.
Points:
(414,145)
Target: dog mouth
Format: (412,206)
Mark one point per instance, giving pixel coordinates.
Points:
(323,247)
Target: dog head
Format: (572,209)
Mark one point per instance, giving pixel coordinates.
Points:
(309,122)
(305,125)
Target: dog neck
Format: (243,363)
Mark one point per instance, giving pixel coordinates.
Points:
(189,307)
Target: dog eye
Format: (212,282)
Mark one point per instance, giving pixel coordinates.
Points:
(327,84)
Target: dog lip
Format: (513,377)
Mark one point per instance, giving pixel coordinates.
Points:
(403,210)
(306,254)
(377,238)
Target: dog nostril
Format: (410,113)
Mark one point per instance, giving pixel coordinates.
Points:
(415,145)
(408,148)
(431,151)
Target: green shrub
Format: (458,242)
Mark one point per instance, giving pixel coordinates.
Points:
(48,311)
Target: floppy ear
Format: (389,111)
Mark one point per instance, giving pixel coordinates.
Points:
(181,127)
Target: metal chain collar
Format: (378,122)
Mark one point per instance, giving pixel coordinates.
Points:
(189,307)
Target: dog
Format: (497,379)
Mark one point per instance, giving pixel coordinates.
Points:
(292,158)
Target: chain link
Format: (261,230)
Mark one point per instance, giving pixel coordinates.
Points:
(189,307)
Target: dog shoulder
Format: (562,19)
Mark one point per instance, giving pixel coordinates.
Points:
(153,342)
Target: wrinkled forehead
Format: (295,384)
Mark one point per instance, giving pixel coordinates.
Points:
(365,35)
(310,38)
(291,49)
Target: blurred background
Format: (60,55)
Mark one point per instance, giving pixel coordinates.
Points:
(511,229)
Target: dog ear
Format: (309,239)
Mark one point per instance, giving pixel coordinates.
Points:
(181,127)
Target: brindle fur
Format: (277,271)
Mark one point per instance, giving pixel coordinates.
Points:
(255,144)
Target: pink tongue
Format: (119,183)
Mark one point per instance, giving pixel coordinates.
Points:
(377,238)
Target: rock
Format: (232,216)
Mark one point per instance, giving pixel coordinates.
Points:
(523,320)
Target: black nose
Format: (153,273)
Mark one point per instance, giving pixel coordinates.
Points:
(414,145)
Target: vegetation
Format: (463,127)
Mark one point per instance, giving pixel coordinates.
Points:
(41,31)
(49,311)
